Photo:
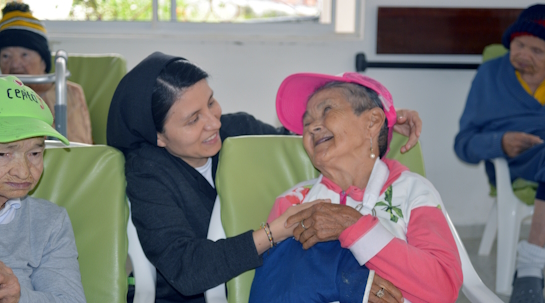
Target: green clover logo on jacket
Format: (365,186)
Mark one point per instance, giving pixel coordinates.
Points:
(389,208)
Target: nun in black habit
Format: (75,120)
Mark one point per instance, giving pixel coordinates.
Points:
(171,202)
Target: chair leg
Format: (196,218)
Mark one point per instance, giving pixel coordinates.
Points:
(489,233)
(508,235)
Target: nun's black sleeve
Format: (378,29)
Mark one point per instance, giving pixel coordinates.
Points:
(239,124)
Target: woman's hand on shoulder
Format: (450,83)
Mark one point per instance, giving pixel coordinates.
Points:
(408,124)
(322,222)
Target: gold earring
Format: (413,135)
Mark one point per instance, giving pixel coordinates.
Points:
(372,153)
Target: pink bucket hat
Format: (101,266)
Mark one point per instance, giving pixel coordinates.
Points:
(296,89)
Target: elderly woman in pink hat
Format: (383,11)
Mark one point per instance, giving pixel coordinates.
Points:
(390,219)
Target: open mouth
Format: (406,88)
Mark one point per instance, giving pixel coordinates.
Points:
(322,140)
(211,138)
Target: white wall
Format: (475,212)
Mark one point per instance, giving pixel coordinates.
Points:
(245,74)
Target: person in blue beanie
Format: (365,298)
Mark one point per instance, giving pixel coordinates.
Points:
(505,117)
(24,50)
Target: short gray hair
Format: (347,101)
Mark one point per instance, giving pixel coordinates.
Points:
(361,99)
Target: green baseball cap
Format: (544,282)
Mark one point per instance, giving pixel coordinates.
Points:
(23,113)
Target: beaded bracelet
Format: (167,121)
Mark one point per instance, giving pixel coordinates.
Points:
(267,229)
(271,239)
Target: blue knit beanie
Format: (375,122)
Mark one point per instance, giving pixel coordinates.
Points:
(530,22)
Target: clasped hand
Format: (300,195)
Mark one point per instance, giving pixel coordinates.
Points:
(322,222)
(10,290)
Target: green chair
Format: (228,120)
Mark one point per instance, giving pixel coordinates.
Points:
(89,182)
(99,76)
(493,51)
(254,170)
(514,203)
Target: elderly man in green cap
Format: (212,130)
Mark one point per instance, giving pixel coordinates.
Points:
(38,255)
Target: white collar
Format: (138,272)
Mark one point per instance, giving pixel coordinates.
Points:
(206,171)
(205,167)
(377,179)
(8,212)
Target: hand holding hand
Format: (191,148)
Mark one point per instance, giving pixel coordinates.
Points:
(390,293)
(408,124)
(10,290)
(281,229)
(322,222)
(514,143)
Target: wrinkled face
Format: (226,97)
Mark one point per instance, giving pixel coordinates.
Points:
(191,130)
(331,129)
(21,165)
(527,54)
(22,61)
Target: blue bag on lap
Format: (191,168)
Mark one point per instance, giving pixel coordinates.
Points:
(324,273)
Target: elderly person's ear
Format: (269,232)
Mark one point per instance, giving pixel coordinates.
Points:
(376,119)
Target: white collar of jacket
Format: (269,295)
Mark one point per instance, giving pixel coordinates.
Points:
(377,179)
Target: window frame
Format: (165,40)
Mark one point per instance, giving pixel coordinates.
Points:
(298,31)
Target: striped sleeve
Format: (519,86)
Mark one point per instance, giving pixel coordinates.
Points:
(426,268)
(283,202)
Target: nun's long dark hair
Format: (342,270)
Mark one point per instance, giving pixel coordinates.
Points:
(176,77)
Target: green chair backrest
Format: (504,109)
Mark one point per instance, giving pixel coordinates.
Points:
(493,51)
(99,76)
(90,183)
(524,190)
(254,170)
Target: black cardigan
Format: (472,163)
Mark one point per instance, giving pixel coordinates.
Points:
(171,209)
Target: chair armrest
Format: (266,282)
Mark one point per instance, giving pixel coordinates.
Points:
(144,272)
(503,179)
(473,287)
(216,232)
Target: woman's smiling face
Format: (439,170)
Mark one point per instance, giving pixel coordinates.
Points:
(191,129)
(332,130)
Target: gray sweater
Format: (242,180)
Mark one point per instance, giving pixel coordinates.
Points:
(39,246)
